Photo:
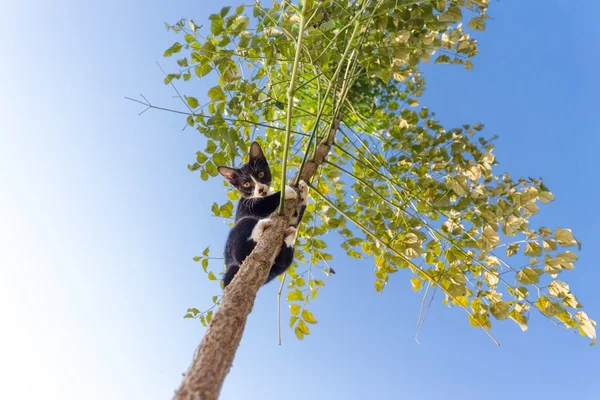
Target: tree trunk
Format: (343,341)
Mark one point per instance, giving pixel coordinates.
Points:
(214,356)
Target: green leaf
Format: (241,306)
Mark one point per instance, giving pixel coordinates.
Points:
(192,102)
(416,284)
(216,94)
(453,14)
(587,327)
(202,70)
(439,5)
(480,321)
(558,289)
(194,167)
(205,264)
(477,24)
(176,48)
(203,175)
(500,310)
(489,238)
(512,249)
(225,11)
(547,307)
(521,293)
(183,62)
(211,147)
(528,276)
(458,184)
(303,327)
(308,317)
(193,311)
(491,277)
(443,59)
(211,169)
(215,210)
(189,38)
(212,276)
(201,157)
(564,237)
(533,249)
(295,295)
(571,301)
(520,319)
(226,209)
(546,197)
(170,77)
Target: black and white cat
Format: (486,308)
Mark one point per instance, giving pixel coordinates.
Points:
(258,201)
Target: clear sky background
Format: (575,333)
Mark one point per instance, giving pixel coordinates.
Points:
(100,219)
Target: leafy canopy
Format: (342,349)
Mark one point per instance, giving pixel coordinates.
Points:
(442,213)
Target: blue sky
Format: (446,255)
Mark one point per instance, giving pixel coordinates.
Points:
(100,219)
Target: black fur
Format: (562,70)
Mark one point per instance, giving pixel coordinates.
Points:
(239,246)
(252,181)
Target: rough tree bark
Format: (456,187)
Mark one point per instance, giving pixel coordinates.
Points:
(214,356)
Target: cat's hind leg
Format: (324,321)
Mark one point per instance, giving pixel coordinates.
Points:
(230,273)
(259,229)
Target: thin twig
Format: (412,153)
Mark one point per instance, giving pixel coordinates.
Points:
(279,309)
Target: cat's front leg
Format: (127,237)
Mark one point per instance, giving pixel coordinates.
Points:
(302,202)
(303,188)
(290,193)
(259,229)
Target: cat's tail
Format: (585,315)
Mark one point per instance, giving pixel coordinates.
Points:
(230,273)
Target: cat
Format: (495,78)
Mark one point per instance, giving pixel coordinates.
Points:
(258,202)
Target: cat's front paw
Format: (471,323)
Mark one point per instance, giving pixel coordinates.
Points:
(290,236)
(290,193)
(259,229)
(303,188)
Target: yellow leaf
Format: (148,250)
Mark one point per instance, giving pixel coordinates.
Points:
(416,284)
(564,237)
(294,309)
(302,327)
(308,317)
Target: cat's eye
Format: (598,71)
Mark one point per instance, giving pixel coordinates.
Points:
(261,175)
(247,184)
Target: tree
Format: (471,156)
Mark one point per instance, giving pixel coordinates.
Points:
(333,88)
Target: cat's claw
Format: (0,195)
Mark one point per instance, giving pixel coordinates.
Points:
(259,229)
(290,236)
(303,188)
(290,193)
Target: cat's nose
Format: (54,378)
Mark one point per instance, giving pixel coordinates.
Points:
(261,191)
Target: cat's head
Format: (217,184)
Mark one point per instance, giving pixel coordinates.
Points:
(252,179)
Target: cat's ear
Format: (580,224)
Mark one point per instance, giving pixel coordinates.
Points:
(229,173)
(256,152)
